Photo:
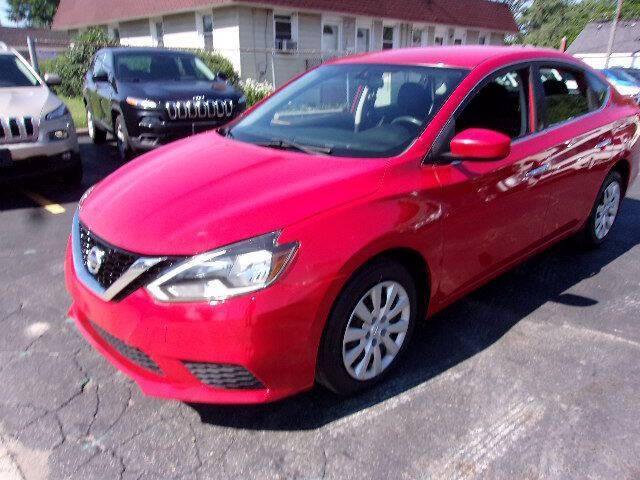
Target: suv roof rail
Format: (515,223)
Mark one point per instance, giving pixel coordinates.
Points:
(3,46)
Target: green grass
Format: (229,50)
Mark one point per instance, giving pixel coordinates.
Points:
(76,107)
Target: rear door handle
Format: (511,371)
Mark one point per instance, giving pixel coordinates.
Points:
(604,144)
(536,172)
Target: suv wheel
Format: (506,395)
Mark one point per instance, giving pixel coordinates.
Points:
(96,135)
(369,328)
(605,211)
(122,140)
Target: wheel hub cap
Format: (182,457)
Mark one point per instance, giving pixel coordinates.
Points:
(607,210)
(376,330)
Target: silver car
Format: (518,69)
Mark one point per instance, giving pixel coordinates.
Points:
(37,134)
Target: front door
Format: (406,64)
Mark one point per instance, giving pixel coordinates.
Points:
(493,213)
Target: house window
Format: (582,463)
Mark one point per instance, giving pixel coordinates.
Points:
(457,41)
(115,33)
(363,39)
(159,34)
(387,38)
(439,41)
(416,38)
(482,40)
(284,32)
(330,38)
(207,24)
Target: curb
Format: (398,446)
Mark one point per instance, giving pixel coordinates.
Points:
(81,132)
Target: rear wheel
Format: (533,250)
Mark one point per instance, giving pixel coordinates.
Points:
(122,140)
(605,211)
(368,329)
(96,135)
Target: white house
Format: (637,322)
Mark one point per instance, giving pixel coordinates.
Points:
(274,40)
(591,44)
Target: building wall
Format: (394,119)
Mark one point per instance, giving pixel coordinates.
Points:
(180,31)
(620,59)
(136,33)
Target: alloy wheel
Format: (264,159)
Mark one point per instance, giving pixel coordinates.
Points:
(376,330)
(607,210)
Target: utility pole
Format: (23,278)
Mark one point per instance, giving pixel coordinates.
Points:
(612,36)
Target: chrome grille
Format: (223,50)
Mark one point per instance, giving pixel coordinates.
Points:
(18,130)
(200,109)
(224,376)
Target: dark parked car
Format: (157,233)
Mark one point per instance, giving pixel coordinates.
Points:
(147,97)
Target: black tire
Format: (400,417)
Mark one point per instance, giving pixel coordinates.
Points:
(123,145)
(97,135)
(331,369)
(72,176)
(589,236)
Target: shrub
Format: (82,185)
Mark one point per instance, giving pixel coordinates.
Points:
(255,91)
(218,64)
(75,62)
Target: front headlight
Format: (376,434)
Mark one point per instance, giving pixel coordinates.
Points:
(230,271)
(58,112)
(143,103)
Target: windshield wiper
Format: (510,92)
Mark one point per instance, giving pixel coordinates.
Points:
(291,145)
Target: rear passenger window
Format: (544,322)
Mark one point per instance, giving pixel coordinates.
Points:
(500,105)
(566,94)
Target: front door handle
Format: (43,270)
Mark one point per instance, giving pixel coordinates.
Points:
(536,172)
(604,144)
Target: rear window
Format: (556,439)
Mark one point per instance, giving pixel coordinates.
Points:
(566,94)
(14,73)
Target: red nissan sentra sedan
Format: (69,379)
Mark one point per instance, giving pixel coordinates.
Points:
(304,242)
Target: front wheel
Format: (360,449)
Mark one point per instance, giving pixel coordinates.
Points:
(369,328)
(605,211)
(122,140)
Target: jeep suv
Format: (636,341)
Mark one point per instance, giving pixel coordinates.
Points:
(147,97)
(37,134)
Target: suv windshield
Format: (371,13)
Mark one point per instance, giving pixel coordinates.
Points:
(14,73)
(354,110)
(160,66)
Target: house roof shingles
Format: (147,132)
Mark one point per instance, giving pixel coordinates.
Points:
(595,38)
(469,13)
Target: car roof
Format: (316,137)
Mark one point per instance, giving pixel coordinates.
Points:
(144,50)
(455,56)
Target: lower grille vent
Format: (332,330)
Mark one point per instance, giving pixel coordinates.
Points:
(224,376)
(131,353)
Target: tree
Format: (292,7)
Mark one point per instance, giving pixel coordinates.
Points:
(33,13)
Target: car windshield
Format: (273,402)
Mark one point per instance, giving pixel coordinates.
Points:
(14,73)
(160,66)
(354,110)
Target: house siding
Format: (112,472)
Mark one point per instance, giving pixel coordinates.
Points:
(180,31)
(136,33)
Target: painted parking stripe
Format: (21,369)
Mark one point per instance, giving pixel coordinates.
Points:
(51,207)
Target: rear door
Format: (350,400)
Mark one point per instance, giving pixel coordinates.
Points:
(493,214)
(575,134)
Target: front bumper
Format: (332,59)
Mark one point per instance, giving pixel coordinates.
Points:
(269,334)
(44,147)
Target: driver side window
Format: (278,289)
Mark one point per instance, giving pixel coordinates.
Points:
(501,105)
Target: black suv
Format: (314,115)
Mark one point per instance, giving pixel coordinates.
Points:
(147,97)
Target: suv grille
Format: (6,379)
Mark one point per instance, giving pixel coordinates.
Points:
(114,262)
(221,110)
(18,130)
(224,376)
(131,353)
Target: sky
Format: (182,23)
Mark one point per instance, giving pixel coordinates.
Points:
(3,12)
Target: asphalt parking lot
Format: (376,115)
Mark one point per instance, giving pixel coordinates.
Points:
(537,375)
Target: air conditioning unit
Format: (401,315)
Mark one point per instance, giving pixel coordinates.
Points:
(286,45)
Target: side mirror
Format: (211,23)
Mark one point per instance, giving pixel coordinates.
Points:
(101,77)
(52,79)
(480,144)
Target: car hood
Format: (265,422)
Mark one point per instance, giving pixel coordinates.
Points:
(172,90)
(27,101)
(208,191)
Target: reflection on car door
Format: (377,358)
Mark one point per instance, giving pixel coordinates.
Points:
(493,212)
(577,137)
(106,91)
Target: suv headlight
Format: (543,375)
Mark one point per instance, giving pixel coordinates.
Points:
(58,112)
(143,103)
(230,271)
